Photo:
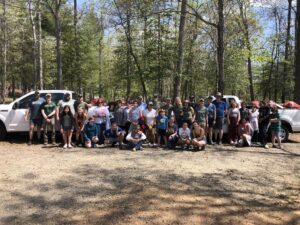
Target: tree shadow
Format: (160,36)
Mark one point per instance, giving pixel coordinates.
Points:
(90,194)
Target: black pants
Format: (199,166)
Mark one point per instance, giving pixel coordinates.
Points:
(263,129)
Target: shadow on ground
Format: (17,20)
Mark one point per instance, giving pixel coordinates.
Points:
(93,195)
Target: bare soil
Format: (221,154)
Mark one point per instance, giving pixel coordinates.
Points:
(221,185)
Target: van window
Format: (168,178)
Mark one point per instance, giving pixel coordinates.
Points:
(56,97)
(24,103)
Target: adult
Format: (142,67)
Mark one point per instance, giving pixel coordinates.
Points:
(211,114)
(263,123)
(101,115)
(188,113)
(150,115)
(91,133)
(141,104)
(168,107)
(36,117)
(136,138)
(172,137)
(201,114)
(275,127)
(80,119)
(120,114)
(135,114)
(253,119)
(62,103)
(221,111)
(192,101)
(233,119)
(48,110)
(178,111)
(244,112)
(80,103)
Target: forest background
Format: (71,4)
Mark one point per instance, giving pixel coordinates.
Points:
(124,48)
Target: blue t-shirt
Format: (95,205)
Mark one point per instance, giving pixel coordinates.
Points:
(220,108)
(112,134)
(162,122)
(211,108)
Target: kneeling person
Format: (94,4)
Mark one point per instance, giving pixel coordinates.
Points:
(136,138)
(184,136)
(91,133)
(199,139)
(114,135)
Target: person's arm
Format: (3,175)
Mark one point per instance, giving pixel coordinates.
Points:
(57,111)
(43,111)
(228,120)
(193,114)
(84,132)
(130,115)
(129,137)
(53,112)
(206,118)
(215,114)
(239,118)
(143,137)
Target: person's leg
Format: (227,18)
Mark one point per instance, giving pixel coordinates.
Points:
(138,145)
(39,131)
(31,130)
(220,136)
(120,138)
(45,128)
(153,136)
(103,126)
(273,139)
(278,140)
(165,140)
(53,139)
(70,133)
(65,138)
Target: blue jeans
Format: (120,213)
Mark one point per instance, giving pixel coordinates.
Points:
(172,143)
(137,145)
(101,128)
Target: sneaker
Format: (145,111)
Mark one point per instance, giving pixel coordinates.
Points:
(150,145)
(29,143)
(134,149)
(203,148)
(154,145)
(45,143)
(120,146)
(220,143)
(266,146)
(70,146)
(274,146)
(65,146)
(231,142)
(141,148)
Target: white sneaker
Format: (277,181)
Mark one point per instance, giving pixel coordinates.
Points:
(134,149)
(154,145)
(150,145)
(232,142)
(141,148)
(266,146)
(65,146)
(70,146)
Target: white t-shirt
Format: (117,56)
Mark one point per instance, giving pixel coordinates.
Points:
(101,114)
(61,104)
(184,134)
(253,117)
(150,116)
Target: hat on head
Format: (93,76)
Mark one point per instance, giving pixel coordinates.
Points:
(150,103)
(201,100)
(67,94)
(36,93)
(219,94)
(140,97)
(211,97)
(48,95)
(187,101)
(80,95)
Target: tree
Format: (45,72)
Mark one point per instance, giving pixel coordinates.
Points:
(297,55)
(4,52)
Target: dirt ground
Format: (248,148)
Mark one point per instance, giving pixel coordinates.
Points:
(222,185)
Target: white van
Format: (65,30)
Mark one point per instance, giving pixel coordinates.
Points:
(12,116)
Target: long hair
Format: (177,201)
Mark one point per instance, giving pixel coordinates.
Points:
(63,113)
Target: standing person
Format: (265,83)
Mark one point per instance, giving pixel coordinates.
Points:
(67,126)
(120,115)
(156,102)
(245,133)
(65,101)
(168,107)
(162,125)
(201,114)
(136,138)
(48,109)
(211,113)
(253,118)
(221,111)
(80,119)
(199,139)
(114,135)
(233,119)
(91,133)
(101,115)
(135,114)
(36,117)
(263,123)
(244,112)
(141,104)
(178,111)
(150,115)
(275,127)
(80,103)
(171,133)
(184,134)
(193,103)
(188,113)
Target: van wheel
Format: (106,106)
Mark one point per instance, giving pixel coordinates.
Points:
(2,132)
(284,134)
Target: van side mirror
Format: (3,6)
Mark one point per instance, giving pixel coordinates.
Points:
(16,105)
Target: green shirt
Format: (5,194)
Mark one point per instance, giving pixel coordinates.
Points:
(188,113)
(201,114)
(48,107)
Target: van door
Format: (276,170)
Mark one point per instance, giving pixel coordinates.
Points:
(16,117)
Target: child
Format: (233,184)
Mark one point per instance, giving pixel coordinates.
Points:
(199,139)
(114,135)
(171,133)
(136,138)
(233,119)
(275,127)
(91,133)
(80,118)
(150,114)
(245,133)
(184,136)
(253,117)
(162,125)
(67,126)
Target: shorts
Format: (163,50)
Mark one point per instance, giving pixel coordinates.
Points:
(36,122)
(162,132)
(67,128)
(210,122)
(219,123)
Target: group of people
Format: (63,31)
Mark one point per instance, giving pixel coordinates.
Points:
(135,123)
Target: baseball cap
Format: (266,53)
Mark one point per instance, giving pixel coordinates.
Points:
(150,103)
(219,94)
(48,95)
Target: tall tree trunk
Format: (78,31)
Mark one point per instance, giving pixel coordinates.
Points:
(101,86)
(273,57)
(59,84)
(128,58)
(285,76)
(179,65)
(40,47)
(297,56)
(220,49)
(4,77)
(77,49)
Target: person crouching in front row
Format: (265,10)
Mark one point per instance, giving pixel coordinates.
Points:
(90,133)
(114,135)
(184,134)
(136,138)
(199,138)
